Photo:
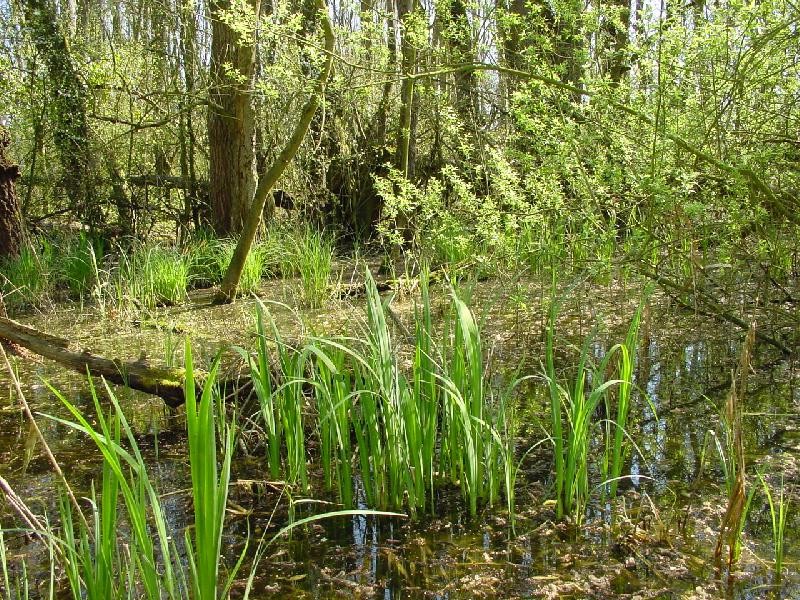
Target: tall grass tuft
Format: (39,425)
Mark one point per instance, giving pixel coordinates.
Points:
(95,563)
(261,375)
(25,280)
(626,364)
(410,428)
(150,553)
(730,533)
(153,276)
(314,259)
(77,268)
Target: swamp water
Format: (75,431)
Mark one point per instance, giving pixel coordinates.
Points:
(657,542)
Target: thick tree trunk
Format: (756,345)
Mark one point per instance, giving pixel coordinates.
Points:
(231,120)
(10,217)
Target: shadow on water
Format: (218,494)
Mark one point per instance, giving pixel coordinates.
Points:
(658,542)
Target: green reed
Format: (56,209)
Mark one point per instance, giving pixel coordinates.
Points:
(95,563)
(290,401)
(778,511)
(261,375)
(410,423)
(571,411)
(209,482)
(333,385)
(425,388)
(154,275)
(25,280)
(627,354)
(149,531)
(77,267)
(470,452)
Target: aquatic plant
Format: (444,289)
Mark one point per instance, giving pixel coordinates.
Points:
(778,510)
(333,387)
(77,266)
(261,376)
(148,525)
(14,588)
(572,409)
(620,423)
(439,418)
(730,532)
(153,275)
(203,258)
(93,558)
(209,483)
(289,401)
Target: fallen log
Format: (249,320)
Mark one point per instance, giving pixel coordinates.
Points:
(165,382)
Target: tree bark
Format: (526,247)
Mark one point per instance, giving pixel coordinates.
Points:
(231,119)
(10,218)
(230,282)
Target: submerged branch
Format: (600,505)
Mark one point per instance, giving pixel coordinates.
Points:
(165,382)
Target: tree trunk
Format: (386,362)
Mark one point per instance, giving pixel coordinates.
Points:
(231,119)
(230,282)
(403,160)
(10,217)
(68,111)
(617,34)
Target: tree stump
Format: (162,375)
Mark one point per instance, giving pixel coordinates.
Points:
(10,218)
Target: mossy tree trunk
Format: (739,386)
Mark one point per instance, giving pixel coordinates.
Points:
(230,282)
(68,111)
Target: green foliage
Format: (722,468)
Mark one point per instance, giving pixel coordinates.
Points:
(209,483)
(78,265)
(413,431)
(314,256)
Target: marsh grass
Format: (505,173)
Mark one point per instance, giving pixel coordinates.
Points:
(100,561)
(261,376)
(209,483)
(627,355)
(778,511)
(414,428)
(78,268)
(25,280)
(314,251)
(153,276)
(572,410)
(733,520)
